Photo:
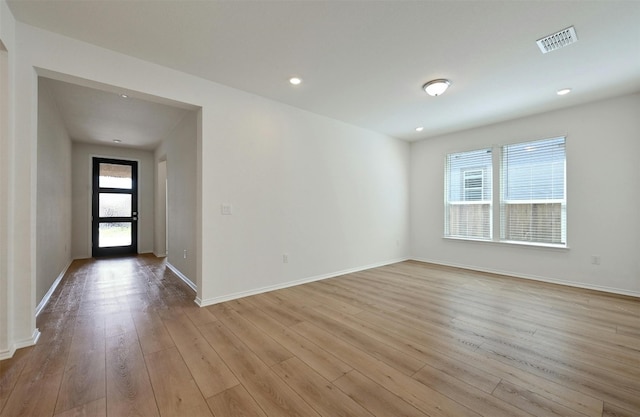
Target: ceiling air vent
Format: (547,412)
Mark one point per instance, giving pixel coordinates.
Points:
(557,40)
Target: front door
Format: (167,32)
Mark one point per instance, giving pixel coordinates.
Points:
(115,207)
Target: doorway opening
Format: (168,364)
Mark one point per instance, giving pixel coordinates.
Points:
(162,210)
(114,207)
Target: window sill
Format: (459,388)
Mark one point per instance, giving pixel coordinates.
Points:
(511,243)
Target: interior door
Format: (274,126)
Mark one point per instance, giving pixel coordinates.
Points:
(115,207)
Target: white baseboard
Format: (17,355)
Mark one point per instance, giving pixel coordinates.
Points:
(160,255)
(47,296)
(241,294)
(29,342)
(8,353)
(182,277)
(574,284)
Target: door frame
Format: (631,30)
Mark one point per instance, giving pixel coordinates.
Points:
(93,208)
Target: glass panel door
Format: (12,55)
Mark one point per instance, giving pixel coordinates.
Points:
(115,211)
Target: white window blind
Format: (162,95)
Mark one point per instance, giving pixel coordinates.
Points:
(533,198)
(468,194)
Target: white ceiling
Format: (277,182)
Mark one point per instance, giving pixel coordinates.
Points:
(364,62)
(96,116)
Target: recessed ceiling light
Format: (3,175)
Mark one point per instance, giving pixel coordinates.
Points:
(295,80)
(419,129)
(124,96)
(563,92)
(117,141)
(436,87)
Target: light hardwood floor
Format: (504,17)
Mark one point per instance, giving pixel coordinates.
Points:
(123,337)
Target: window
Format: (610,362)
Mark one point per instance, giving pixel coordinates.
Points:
(468,197)
(533,204)
(532,197)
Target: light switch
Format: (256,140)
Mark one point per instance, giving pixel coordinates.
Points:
(226,209)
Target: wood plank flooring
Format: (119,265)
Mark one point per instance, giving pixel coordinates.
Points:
(123,337)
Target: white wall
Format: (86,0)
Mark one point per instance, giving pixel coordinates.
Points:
(18,187)
(53,229)
(4,185)
(6,136)
(603,197)
(333,196)
(81,186)
(179,152)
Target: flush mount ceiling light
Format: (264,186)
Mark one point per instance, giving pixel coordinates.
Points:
(117,141)
(124,96)
(419,129)
(436,87)
(295,80)
(563,92)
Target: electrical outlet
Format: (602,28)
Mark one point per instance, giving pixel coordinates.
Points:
(226,209)
(595,259)
(285,258)
(185,254)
